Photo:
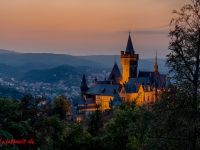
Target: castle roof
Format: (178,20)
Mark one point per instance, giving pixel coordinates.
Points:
(115,74)
(145,73)
(133,84)
(160,80)
(103,89)
(129,47)
(102,82)
(115,101)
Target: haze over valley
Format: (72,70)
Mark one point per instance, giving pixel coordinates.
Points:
(51,75)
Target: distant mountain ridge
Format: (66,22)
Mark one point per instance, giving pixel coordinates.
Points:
(29,61)
(143,64)
(51,60)
(6,51)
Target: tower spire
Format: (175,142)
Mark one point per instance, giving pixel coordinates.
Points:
(156,61)
(129,47)
(156,64)
(129,61)
(83,85)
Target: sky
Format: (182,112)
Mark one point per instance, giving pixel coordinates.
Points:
(87,27)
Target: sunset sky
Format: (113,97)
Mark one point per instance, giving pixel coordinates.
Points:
(87,27)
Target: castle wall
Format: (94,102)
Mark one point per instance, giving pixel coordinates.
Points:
(103,101)
(141,97)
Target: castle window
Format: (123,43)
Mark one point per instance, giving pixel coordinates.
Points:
(114,91)
(103,90)
(123,99)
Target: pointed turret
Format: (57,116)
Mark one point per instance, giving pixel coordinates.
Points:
(129,47)
(115,75)
(83,85)
(156,65)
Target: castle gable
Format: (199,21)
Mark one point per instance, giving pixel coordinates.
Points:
(140,90)
(115,75)
(123,90)
(133,85)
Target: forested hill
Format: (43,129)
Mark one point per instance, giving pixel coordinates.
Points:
(62,72)
(29,61)
(52,60)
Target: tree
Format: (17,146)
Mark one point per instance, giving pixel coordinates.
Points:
(26,119)
(170,124)
(125,130)
(61,106)
(77,139)
(12,126)
(30,108)
(176,121)
(50,132)
(95,123)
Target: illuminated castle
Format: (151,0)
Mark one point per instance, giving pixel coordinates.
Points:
(142,86)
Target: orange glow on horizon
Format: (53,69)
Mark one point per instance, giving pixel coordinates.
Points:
(30,26)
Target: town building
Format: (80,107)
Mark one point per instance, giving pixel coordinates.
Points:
(142,86)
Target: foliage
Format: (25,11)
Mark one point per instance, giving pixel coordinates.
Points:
(77,139)
(176,121)
(12,126)
(30,108)
(95,123)
(123,131)
(50,132)
(61,106)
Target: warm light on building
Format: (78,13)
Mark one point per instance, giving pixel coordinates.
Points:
(142,86)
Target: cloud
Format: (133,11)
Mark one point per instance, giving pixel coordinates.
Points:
(151,32)
(144,32)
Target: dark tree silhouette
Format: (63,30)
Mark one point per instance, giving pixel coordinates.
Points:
(177,123)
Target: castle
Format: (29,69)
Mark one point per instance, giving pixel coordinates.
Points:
(142,86)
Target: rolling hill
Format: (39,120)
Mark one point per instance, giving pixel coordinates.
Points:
(52,75)
(48,59)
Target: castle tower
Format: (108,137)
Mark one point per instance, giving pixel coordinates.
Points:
(156,65)
(129,61)
(83,85)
